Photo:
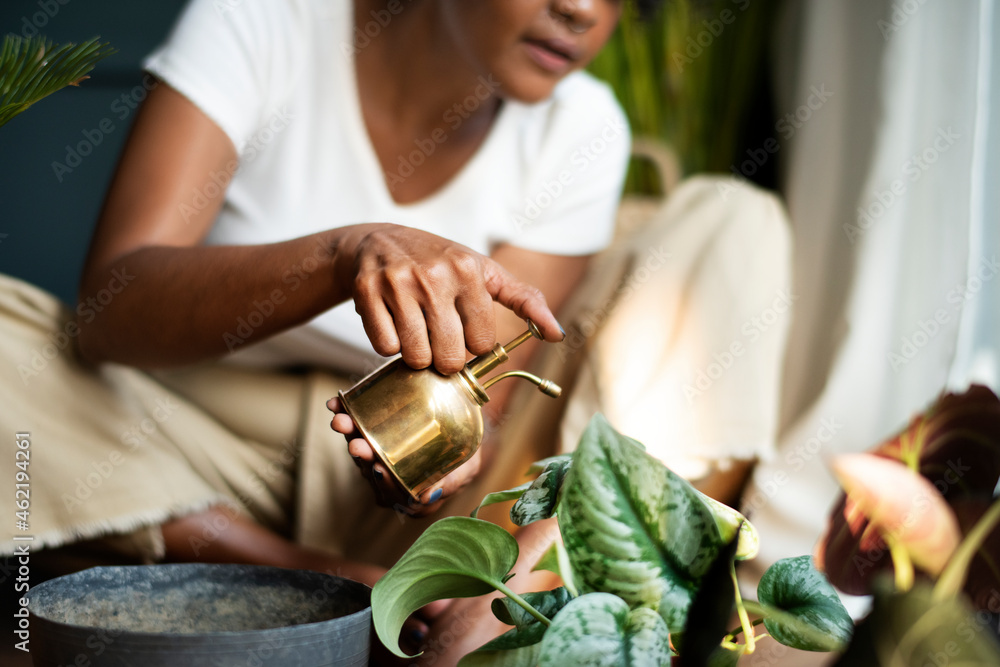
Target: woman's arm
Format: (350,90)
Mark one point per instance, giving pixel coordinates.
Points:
(152,296)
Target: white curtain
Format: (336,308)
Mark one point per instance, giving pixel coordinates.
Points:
(892,179)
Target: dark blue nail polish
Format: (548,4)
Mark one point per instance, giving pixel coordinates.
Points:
(418,635)
(436,495)
(563,331)
(378,474)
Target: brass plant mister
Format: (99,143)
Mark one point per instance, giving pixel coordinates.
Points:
(422,424)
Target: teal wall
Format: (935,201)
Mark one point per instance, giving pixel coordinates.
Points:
(47,212)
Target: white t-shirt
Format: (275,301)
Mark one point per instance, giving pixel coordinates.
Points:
(278,77)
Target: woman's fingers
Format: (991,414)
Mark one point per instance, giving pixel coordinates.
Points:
(431,299)
(525,301)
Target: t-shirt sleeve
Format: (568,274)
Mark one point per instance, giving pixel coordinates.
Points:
(573,183)
(227,58)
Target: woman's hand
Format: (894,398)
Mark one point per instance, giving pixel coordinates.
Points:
(388,493)
(431,299)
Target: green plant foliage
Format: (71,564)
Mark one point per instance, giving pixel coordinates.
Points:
(501,653)
(31,69)
(548,603)
(599,630)
(501,496)
(539,500)
(634,528)
(558,464)
(794,586)
(729,521)
(913,629)
(522,644)
(691,77)
(455,557)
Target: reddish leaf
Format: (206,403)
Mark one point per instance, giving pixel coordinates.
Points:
(955,444)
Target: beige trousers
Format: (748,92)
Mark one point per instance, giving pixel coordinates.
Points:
(113,452)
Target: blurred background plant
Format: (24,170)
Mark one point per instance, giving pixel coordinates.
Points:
(696,76)
(34,68)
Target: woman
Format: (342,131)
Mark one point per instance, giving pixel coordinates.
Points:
(436,162)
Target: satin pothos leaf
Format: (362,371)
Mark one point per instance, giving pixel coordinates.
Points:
(818,620)
(599,630)
(633,528)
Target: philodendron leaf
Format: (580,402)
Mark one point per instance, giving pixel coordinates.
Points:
(455,557)
(794,586)
(599,630)
(914,629)
(501,496)
(519,646)
(634,528)
(539,500)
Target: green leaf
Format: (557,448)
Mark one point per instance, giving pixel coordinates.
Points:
(598,630)
(796,587)
(524,656)
(547,603)
(519,646)
(540,499)
(551,461)
(501,496)
(634,528)
(31,69)
(729,521)
(912,629)
(557,463)
(549,560)
(455,557)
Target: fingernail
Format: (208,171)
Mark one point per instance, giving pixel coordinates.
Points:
(436,495)
(418,635)
(563,331)
(377,473)
(357,459)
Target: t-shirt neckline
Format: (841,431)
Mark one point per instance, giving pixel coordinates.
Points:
(365,149)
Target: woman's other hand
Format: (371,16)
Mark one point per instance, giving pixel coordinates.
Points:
(388,493)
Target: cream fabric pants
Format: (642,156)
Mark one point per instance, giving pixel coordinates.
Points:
(114,452)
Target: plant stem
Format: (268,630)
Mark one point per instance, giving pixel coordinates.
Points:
(901,563)
(953,577)
(524,603)
(738,631)
(748,631)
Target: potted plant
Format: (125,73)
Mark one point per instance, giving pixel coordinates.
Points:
(917,527)
(647,561)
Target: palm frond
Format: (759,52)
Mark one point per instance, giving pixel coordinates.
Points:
(31,69)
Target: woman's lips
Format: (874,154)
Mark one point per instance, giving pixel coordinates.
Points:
(552,55)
